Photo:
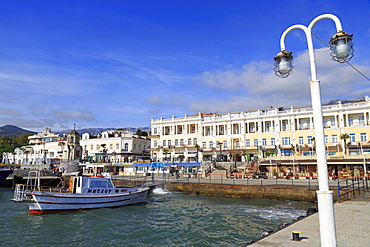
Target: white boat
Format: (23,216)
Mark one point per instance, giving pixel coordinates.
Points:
(82,193)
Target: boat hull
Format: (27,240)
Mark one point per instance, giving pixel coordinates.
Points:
(4,174)
(56,202)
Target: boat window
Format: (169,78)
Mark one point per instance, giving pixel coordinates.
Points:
(123,190)
(117,191)
(98,183)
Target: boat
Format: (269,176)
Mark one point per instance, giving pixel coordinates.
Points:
(82,193)
(4,174)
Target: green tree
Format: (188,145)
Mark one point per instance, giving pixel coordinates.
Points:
(165,151)
(139,132)
(197,147)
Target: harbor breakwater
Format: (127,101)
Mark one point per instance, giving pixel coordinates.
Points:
(243,191)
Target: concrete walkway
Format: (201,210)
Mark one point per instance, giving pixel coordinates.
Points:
(352,225)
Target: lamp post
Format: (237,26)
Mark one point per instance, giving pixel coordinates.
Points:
(342,50)
(220,144)
(363,157)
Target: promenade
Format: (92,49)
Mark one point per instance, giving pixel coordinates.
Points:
(307,183)
(352,224)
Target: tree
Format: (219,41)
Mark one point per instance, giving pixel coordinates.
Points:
(197,147)
(313,139)
(181,157)
(344,137)
(8,144)
(165,151)
(139,132)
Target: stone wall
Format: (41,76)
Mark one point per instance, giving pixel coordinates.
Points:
(257,192)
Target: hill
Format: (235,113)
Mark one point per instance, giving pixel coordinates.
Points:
(95,131)
(13,131)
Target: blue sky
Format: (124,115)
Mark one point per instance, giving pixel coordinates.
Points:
(117,63)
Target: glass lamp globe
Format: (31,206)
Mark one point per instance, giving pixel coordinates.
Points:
(341,46)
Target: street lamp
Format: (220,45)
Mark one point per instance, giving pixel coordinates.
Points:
(341,46)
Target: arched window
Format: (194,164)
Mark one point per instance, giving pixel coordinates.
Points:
(126,147)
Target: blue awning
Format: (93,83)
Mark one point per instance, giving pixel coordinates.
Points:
(157,164)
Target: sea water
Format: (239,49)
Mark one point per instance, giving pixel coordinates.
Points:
(166,219)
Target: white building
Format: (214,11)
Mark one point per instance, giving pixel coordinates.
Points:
(263,133)
(51,149)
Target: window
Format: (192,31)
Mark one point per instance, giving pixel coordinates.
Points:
(111,146)
(164,143)
(222,130)
(237,144)
(155,131)
(272,141)
(247,143)
(332,122)
(352,137)
(361,120)
(326,138)
(155,143)
(300,140)
(189,141)
(204,145)
(285,140)
(334,139)
(264,142)
(267,127)
(363,137)
(225,144)
(117,145)
(255,142)
(181,141)
(210,144)
(134,146)
(126,146)
(169,142)
(176,142)
(350,121)
(309,139)
(251,128)
(91,147)
(284,125)
(195,141)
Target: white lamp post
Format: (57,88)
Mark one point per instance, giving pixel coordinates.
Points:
(342,50)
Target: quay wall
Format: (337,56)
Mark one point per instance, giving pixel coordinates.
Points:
(243,191)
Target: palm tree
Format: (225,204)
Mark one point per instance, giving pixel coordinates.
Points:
(313,140)
(344,137)
(197,147)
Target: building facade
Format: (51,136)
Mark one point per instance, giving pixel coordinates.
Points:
(52,149)
(263,134)
(115,147)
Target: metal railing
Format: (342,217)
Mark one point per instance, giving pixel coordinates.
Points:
(350,188)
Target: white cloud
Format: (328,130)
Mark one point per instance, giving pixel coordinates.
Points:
(10,112)
(153,99)
(80,114)
(255,86)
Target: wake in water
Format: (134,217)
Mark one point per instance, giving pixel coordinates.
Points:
(161,191)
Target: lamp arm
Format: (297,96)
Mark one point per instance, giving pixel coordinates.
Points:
(336,20)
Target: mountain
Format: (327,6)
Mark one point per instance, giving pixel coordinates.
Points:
(95,131)
(11,130)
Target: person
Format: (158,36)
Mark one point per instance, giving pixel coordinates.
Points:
(62,183)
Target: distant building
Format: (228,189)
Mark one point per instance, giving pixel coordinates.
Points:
(68,150)
(267,134)
(115,147)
